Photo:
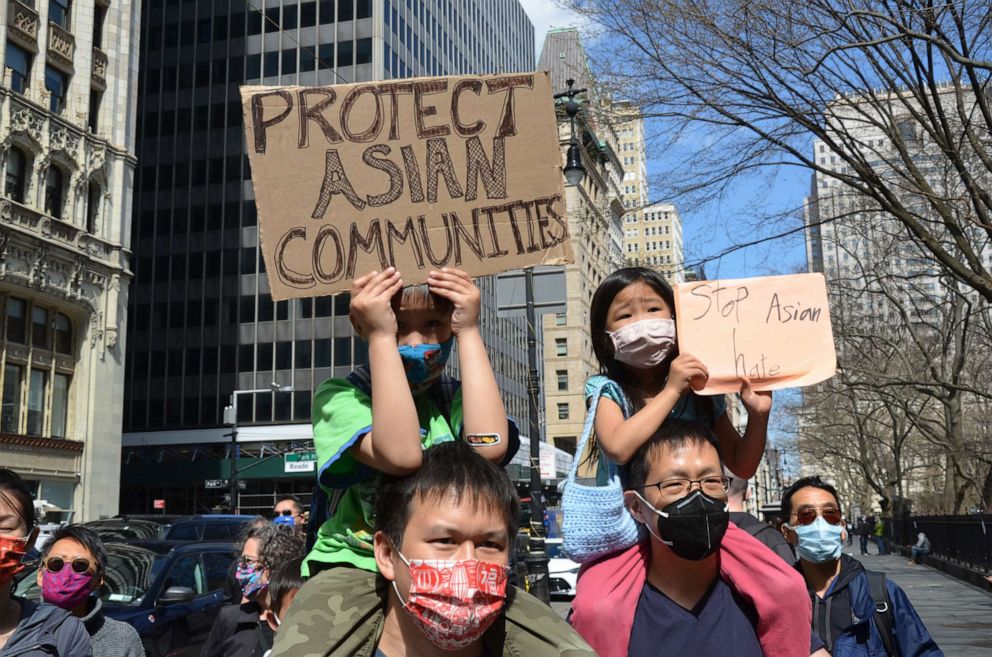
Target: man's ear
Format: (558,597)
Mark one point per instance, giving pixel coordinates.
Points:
(384,553)
(634,505)
(790,535)
(269,616)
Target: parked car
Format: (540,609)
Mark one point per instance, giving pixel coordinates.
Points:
(214,527)
(126,529)
(563,573)
(171,594)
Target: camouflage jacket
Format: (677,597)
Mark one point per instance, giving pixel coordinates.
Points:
(340,613)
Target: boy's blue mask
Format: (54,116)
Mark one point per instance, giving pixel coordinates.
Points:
(424,362)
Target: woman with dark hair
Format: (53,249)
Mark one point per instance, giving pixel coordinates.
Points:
(28,629)
(73,566)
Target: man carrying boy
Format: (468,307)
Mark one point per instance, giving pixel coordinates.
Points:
(442,546)
(380,418)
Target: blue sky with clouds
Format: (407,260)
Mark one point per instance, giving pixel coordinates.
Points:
(718,226)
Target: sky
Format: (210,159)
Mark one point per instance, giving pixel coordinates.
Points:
(717,227)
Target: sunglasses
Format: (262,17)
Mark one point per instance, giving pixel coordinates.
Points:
(56,564)
(284,512)
(808,516)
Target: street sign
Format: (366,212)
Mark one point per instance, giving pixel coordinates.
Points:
(213,484)
(549,292)
(300,462)
(158,504)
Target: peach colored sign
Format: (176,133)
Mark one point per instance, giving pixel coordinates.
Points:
(773,329)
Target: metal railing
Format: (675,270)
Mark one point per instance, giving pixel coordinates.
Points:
(966,540)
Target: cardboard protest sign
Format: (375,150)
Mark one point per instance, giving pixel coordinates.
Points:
(417,173)
(773,329)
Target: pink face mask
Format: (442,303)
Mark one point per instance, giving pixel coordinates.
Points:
(66,589)
(645,343)
(454,602)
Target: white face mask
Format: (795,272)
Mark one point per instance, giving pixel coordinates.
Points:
(645,343)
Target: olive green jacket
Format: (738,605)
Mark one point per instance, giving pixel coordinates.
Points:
(341,611)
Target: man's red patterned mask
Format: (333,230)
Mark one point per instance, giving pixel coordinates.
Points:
(454,602)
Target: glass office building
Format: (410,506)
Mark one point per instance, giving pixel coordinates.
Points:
(201,321)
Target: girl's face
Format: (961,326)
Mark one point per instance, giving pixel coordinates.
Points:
(635,302)
(11,523)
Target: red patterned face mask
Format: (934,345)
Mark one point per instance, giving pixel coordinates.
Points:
(12,551)
(454,602)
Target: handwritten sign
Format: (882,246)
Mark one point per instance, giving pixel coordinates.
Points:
(774,329)
(417,173)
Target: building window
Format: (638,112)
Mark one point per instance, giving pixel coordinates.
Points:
(563,411)
(561,346)
(92,207)
(9,415)
(58,12)
(560,319)
(57,83)
(18,61)
(54,190)
(562,376)
(99,14)
(60,405)
(94,118)
(63,334)
(36,402)
(17,167)
(363,51)
(40,338)
(17,324)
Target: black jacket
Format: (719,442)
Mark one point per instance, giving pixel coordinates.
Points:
(238,632)
(765,533)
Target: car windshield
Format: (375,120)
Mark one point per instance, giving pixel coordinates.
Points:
(130,571)
(126,530)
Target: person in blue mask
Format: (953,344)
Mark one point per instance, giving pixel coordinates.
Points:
(856,612)
(381,417)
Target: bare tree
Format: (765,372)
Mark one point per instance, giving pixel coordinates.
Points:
(890,89)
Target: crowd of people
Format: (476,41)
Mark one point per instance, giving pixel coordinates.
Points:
(414,519)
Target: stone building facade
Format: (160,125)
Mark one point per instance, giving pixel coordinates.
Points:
(67,111)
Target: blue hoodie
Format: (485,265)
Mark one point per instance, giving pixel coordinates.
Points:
(46,630)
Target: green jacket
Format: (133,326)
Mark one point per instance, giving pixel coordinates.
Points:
(341,611)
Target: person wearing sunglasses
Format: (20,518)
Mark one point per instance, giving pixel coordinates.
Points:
(289,511)
(857,612)
(73,565)
(29,629)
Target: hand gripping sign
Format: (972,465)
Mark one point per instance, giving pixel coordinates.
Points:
(417,173)
(773,329)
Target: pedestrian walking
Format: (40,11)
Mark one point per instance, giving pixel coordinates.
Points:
(859,613)
(29,629)
(921,548)
(879,534)
(863,535)
(73,569)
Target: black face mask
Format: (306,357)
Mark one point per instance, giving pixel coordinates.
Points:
(692,526)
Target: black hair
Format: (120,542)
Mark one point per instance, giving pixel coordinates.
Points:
(277,544)
(806,482)
(284,579)
(86,537)
(602,344)
(673,434)
(290,498)
(448,469)
(17,494)
(422,295)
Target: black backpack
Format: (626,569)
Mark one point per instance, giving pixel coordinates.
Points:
(883,610)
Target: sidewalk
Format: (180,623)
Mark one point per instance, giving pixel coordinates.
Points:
(958,615)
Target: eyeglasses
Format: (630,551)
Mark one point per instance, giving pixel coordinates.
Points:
(807,515)
(56,564)
(244,562)
(284,512)
(679,487)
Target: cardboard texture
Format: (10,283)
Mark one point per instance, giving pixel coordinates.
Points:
(417,173)
(774,329)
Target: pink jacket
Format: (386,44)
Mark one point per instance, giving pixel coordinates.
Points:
(608,590)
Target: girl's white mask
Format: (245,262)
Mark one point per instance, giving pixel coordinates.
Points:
(645,343)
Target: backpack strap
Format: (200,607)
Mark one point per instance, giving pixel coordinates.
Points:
(883,610)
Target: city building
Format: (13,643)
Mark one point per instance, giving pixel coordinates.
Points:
(204,324)
(67,128)
(595,209)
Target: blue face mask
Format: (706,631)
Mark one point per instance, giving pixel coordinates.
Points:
(819,541)
(424,362)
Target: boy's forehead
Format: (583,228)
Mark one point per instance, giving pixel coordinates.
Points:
(449,508)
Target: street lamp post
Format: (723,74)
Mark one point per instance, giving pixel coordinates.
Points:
(231,417)
(537,558)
